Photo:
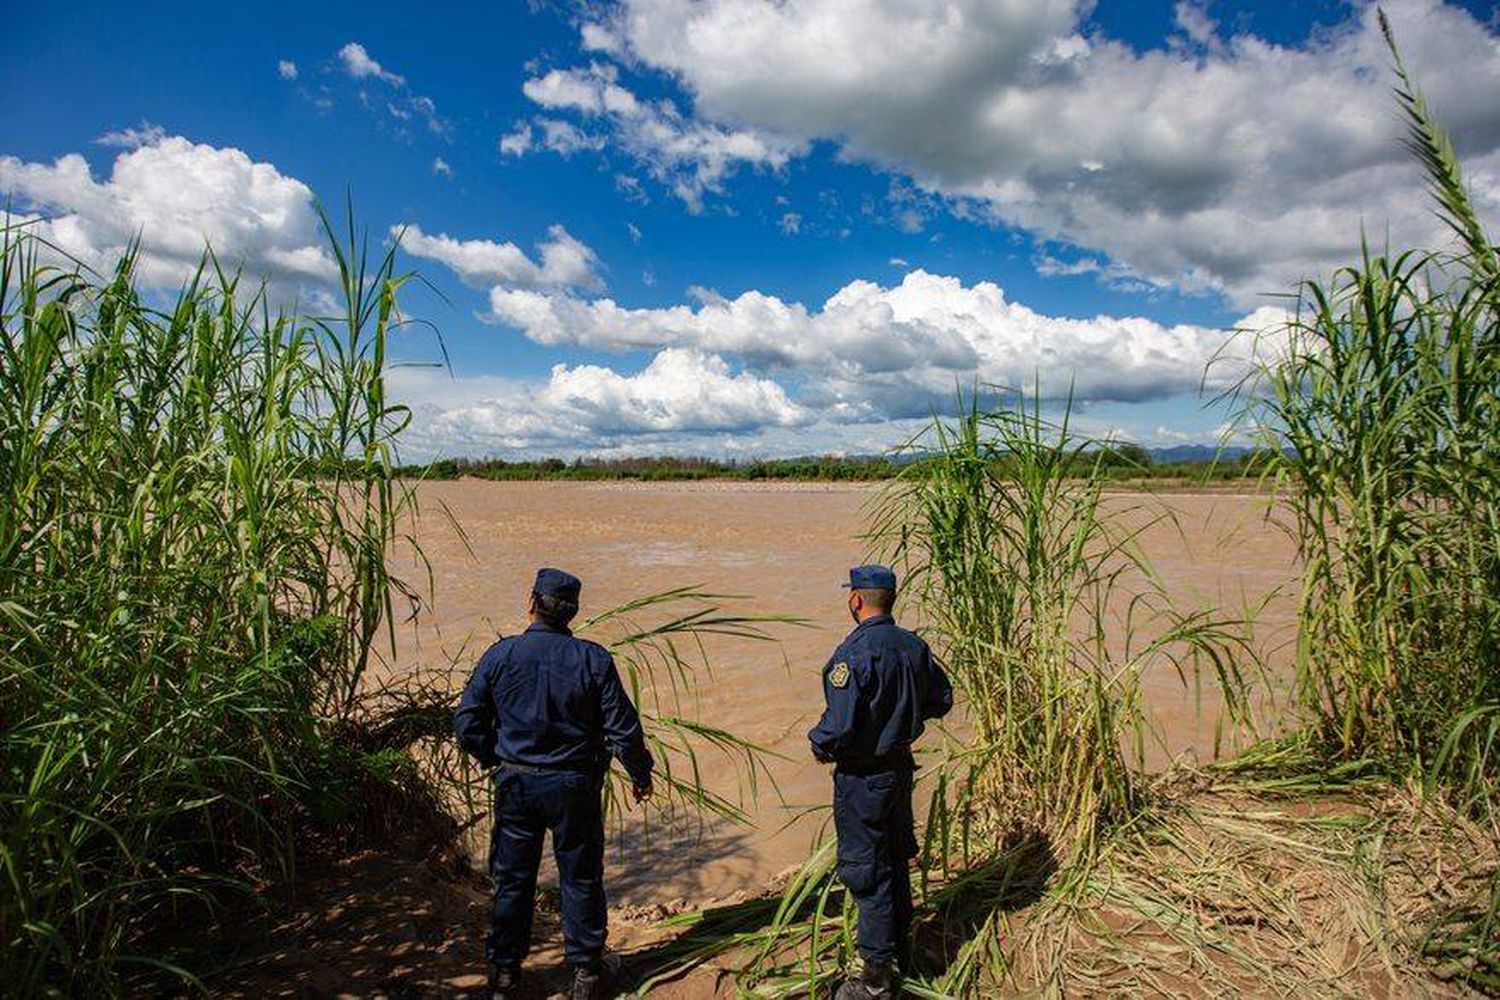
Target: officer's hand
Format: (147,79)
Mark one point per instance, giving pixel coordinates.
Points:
(643,792)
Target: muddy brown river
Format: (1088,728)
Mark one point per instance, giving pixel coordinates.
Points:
(786,548)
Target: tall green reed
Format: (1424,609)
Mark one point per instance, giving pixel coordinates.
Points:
(195,512)
(659,641)
(1039,598)
(1384,412)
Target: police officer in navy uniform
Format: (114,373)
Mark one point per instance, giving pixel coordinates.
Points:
(880,686)
(547,710)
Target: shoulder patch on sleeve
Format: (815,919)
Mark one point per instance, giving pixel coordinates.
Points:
(839,675)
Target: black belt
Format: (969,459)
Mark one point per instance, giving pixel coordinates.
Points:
(897,760)
(516,767)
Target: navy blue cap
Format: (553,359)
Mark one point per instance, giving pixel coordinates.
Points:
(556,583)
(874,577)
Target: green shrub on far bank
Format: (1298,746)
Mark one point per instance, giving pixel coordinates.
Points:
(659,469)
(1111,462)
(195,513)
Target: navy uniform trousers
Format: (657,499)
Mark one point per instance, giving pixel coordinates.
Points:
(528,804)
(876,842)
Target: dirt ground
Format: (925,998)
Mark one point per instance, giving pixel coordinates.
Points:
(397,922)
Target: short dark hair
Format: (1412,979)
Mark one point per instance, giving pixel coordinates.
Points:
(880,598)
(552,609)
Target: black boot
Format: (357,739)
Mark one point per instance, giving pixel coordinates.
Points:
(588,984)
(598,979)
(505,982)
(873,981)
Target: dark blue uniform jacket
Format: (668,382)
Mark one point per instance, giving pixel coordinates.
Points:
(880,685)
(546,699)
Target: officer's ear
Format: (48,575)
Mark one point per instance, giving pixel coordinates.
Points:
(531,604)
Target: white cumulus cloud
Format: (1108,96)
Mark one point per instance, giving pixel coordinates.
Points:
(517,142)
(681,393)
(359,64)
(689,156)
(875,352)
(1214,163)
(758,375)
(144,134)
(177,197)
(565,261)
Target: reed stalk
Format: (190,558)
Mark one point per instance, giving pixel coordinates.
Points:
(1383,414)
(195,510)
(1039,599)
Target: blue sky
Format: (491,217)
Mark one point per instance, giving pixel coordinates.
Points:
(736,227)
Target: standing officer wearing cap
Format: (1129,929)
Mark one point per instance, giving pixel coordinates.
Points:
(547,710)
(880,686)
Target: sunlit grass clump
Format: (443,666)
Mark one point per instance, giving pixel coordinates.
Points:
(1385,411)
(1031,587)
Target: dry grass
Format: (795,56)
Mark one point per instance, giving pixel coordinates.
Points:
(1231,893)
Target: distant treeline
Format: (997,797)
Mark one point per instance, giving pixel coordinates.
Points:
(1118,462)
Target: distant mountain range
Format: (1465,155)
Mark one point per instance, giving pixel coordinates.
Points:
(1197,453)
